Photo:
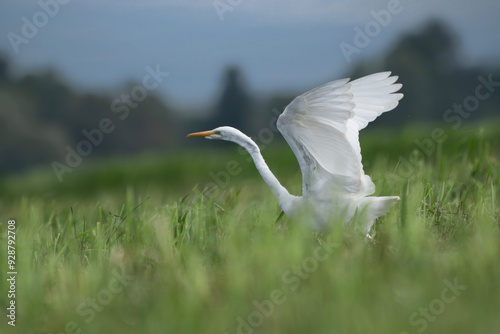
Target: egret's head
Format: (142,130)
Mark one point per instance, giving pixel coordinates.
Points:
(222,132)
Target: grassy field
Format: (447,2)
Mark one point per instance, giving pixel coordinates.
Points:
(128,246)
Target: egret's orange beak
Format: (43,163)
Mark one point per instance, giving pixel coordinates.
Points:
(201,134)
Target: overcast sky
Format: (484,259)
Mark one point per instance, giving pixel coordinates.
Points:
(280,45)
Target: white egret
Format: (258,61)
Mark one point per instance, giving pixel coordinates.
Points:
(322,127)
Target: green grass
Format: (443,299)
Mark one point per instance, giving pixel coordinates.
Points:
(129,248)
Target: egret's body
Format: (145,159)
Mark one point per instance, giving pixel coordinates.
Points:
(321,127)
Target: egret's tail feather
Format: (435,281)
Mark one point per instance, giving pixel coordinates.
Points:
(376,207)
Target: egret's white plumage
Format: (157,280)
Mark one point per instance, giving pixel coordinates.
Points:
(322,127)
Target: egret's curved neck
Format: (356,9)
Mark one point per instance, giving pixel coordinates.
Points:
(282,195)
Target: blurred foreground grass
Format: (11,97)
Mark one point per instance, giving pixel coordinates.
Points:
(127,247)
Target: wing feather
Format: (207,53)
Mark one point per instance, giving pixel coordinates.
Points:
(322,128)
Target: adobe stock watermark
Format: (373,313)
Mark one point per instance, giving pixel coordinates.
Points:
(88,309)
(454,116)
(291,280)
(223,6)
(363,36)
(31,26)
(120,107)
(221,179)
(421,318)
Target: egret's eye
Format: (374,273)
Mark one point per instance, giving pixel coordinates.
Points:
(217,133)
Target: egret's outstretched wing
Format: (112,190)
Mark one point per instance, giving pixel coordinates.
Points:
(322,127)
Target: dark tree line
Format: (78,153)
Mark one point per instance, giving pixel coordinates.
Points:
(41,116)
(42,119)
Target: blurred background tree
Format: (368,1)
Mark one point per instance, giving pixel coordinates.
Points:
(233,106)
(427,62)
